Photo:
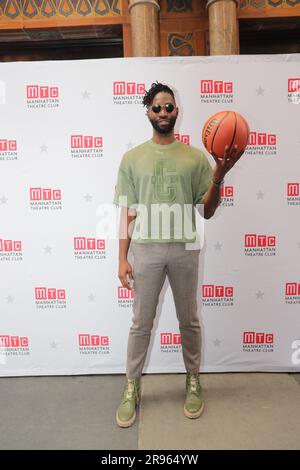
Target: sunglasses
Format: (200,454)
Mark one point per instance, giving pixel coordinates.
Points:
(169,107)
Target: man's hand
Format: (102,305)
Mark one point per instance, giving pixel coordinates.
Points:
(125,273)
(223,165)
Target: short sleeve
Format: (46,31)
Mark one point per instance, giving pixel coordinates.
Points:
(125,193)
(202,179)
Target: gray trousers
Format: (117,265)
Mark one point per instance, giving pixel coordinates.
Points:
(152,263)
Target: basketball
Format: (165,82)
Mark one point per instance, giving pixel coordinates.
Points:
(225,128)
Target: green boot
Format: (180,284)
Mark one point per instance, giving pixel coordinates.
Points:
(193,406)
(126,411)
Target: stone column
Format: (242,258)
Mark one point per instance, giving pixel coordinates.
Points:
(144,27)
(223,31)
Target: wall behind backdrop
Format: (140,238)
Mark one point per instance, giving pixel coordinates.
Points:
(64,129)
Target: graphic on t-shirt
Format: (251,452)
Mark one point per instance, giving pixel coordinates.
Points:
(164,180)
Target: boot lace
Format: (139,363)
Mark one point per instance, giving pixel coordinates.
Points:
(193,382)
(130,390)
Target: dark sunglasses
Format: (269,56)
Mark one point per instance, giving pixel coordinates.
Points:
(169,107)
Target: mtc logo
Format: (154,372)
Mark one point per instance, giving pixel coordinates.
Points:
(44,293)
(84,243)
(7,246)
(292,288)
(45,194)
(250,337)
(293,85)
(93,340)
(216,86)
(252,240)
(183,138)
(170,338)
(8,145)
(7,341)
(85,142)
(39,91)
(226,191)
(293,189)
(210,290)
(129,88)
(261,138)
(124,293)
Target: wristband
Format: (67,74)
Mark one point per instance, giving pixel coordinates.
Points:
(217,184)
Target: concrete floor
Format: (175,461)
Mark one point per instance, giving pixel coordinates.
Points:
(242,411)
(76,412)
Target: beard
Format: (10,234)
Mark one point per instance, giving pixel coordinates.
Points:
(165,128)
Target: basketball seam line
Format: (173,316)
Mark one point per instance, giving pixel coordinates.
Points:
(234,132)
(213,139)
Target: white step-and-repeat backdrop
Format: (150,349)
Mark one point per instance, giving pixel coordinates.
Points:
(64,128)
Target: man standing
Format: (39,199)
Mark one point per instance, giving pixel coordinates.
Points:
(164,179)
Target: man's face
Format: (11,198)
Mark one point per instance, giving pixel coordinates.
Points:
(163,122)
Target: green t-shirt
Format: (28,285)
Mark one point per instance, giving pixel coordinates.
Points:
(163,183)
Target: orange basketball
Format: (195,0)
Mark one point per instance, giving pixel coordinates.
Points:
(225,128)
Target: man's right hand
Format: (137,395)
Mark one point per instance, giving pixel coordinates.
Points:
(125,273)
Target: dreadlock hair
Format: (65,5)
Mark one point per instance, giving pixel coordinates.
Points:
(155,88)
